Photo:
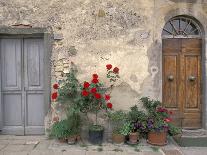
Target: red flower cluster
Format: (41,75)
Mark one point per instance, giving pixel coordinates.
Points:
(54,96)
(109,105)
(91,90)
(55,86)
(115,70)
(168,120)
(160,109)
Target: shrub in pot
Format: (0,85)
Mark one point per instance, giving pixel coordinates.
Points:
(159,123)
(94,99)
(74,127)
(60,130)
(117,118)
(138,124)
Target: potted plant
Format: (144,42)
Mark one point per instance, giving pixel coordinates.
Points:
(159,123)
(93,99)
(138,124)
(60,130)
(74,127)
(118,118)
(66,93)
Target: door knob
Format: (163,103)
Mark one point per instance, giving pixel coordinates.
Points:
(191,78)
(170,78)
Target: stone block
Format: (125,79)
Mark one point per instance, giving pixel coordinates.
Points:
(11,148)
(74,152)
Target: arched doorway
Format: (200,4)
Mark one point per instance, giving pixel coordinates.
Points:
(182,77)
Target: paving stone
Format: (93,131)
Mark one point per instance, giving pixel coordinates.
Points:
(2,146)
(171,152)
(16,153)
(96,153)
(4,142)
(19,142)
(152,153)
(28,147)
(43,145)
(11,148)
(74,152)
(45,152)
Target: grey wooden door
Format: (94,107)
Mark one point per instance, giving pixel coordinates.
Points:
(22,87)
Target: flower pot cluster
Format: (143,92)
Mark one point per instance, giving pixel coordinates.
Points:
(153,122)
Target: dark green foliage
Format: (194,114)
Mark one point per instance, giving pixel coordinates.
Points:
(68,127)
(59,130)
(118,118)
(70,87)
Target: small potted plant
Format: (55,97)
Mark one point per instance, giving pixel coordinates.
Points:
(74,127)
(138,124)
(159,123)
(118,118)
(60,131)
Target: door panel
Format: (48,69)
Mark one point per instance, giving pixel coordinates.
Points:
(170,81)
(33,52)
(192,88)
(12,109)
(182,60)
(33,56)
(11,75)
(11,64)
(35,104)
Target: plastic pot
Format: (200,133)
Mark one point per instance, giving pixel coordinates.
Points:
(96,134)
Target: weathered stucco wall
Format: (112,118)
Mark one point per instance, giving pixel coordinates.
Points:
(94,33)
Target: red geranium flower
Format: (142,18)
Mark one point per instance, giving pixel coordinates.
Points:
(116,70)
(95,76)
(107,97)
(86,84)
(108,66)
(54,95)
(85,93)
(167,120)
(97,95)
(93,90)
(55,86)
(94,81)
(109,105)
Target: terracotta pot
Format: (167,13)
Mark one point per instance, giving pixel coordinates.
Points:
(133,137)
(62,140)
(118,138)
(157,138)
(72,139)
(78,138)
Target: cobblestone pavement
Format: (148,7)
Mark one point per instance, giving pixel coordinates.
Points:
(40,145)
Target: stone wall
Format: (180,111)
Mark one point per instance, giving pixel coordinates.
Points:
(93,33)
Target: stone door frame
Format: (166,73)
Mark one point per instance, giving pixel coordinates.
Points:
(47,39)
(201,20)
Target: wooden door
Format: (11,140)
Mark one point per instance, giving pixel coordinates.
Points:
(182,80)
(22,88)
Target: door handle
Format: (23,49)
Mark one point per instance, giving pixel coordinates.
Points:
(191,78)
(170,77)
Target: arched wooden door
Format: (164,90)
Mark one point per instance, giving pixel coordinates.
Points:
(182,71)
